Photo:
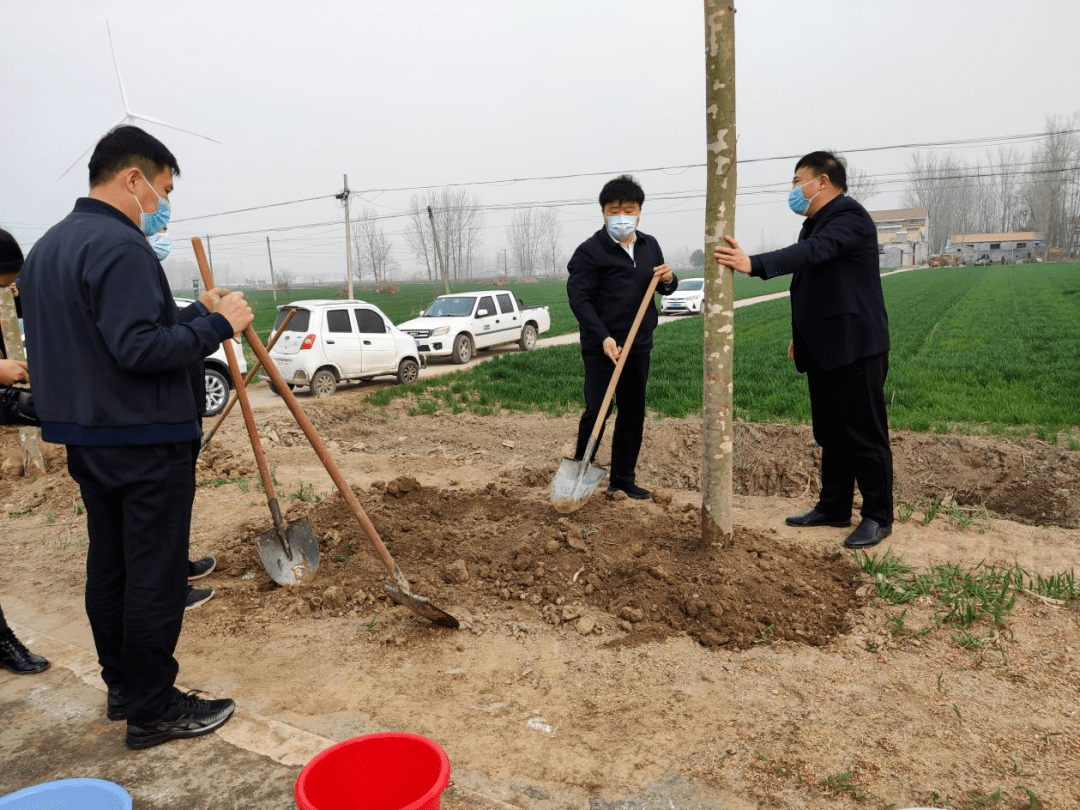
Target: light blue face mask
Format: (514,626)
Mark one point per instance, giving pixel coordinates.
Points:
(797,202)
(153,222)
(162,244)
(620,226)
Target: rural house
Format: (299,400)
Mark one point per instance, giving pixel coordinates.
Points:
(902,236)
(995,248)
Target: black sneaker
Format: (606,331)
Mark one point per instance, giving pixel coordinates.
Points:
(197,569)
(191,717)
(197,596)
(14,657)
(631,490)
(114,703)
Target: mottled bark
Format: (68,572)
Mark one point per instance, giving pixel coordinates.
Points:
(719,314)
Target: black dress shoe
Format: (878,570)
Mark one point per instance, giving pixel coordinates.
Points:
(114,703)
(816,518)
(632,491)
(190,717)
(14,657)
(869,533)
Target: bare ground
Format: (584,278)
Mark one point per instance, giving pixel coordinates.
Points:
(606,659)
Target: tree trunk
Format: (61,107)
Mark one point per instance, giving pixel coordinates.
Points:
(719,311)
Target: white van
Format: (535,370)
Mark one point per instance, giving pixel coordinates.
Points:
(329,342)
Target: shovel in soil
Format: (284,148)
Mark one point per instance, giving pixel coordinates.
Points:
(289,552)
(577,480)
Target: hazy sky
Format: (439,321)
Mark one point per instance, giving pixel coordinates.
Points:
(409,93)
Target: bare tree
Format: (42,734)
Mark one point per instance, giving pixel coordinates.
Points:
(861,185)
(943,185)
(547,223)
(372,248)
(284,278)
(418,236)
(523,237)
(1049,199)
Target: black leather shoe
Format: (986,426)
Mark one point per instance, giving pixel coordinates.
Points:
(14,657)
(190,717)
(816,518)
(632,491)
(114,703)
(869,533)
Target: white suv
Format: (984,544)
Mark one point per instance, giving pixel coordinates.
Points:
(688,299)
(218,379)
(328,342)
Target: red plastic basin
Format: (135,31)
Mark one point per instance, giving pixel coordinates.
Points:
(393,771)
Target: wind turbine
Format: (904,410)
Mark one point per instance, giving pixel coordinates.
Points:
(129,117)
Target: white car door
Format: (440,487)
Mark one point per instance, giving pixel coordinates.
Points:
(378,353)
(488,327)
(342,343)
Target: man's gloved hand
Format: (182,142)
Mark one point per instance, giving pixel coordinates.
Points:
(17,407)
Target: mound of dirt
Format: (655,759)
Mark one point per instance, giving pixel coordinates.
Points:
(604,570)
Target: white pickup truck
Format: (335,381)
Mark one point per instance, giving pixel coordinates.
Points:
(457,325)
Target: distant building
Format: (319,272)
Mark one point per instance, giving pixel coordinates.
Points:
(996,248)
(903,236)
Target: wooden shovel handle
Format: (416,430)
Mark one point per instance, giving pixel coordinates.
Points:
(250,376)
(241,395)
(602,416)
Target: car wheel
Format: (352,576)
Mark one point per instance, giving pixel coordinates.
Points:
(527,342)
(217,391)
(274,388)
(324,383)
(408,371)
(463,349)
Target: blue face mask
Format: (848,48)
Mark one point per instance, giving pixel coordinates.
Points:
(162,244)
(620,226)
(797,202)
(153,222)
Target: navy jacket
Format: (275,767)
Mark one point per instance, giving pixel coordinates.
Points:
(606,286)
(110,361)
(837,307)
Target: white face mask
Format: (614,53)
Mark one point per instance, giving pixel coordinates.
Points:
(620,226)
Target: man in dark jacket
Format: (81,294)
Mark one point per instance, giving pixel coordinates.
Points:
(110,361)
(609,275)
(840,340)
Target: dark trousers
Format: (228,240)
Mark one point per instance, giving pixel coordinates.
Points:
(5,631)
(629,422)
(852,428)
(138,508)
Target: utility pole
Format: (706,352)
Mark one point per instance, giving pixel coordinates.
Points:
(344,195)
(273,284)
(506,267)
(438,253)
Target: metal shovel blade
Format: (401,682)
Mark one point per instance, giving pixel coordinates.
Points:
(574,483)
(401,594)
(293,559)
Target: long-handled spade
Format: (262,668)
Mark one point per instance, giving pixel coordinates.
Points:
(399,591)
(576,479)
(289,552)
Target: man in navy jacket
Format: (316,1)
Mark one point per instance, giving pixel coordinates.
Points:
(840,340)
(111,368)
(609,275)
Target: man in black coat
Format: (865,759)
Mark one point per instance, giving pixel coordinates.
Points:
(609,275)
(111,364)
(840,340)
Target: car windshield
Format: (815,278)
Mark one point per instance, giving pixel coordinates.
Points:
(458,306)
(691,284)
(299,323)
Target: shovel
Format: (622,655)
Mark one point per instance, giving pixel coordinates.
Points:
(289,552)
(399,591)
(576,480)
